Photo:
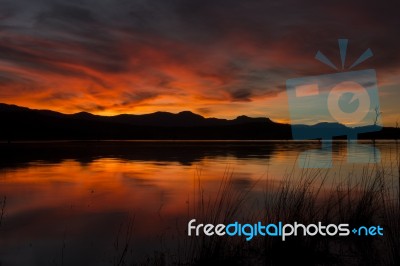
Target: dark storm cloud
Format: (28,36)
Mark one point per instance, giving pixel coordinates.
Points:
(33,61)
(136,97)
(241,95)
(66,13)
(301,27)
(7,78)
(62,33)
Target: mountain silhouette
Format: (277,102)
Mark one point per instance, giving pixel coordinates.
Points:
(21,123)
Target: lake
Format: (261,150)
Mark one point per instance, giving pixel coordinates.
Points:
(73,203)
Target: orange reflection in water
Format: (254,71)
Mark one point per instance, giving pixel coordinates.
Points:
(108,185)
(86,201)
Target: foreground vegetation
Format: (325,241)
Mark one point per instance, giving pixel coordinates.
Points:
(301,197)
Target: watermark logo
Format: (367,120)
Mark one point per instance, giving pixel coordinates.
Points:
(332,105)
(280,229)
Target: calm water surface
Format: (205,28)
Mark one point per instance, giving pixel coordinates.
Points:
(68,203)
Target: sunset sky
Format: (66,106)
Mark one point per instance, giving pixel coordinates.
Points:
(215,58)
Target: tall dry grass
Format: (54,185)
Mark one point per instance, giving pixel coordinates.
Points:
(359,199)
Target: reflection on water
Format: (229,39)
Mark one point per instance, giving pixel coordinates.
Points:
(66,202)
(361,153)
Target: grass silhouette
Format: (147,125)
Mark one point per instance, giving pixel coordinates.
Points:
(360,199)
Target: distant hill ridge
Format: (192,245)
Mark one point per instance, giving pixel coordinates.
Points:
(163,119)
(21,123)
